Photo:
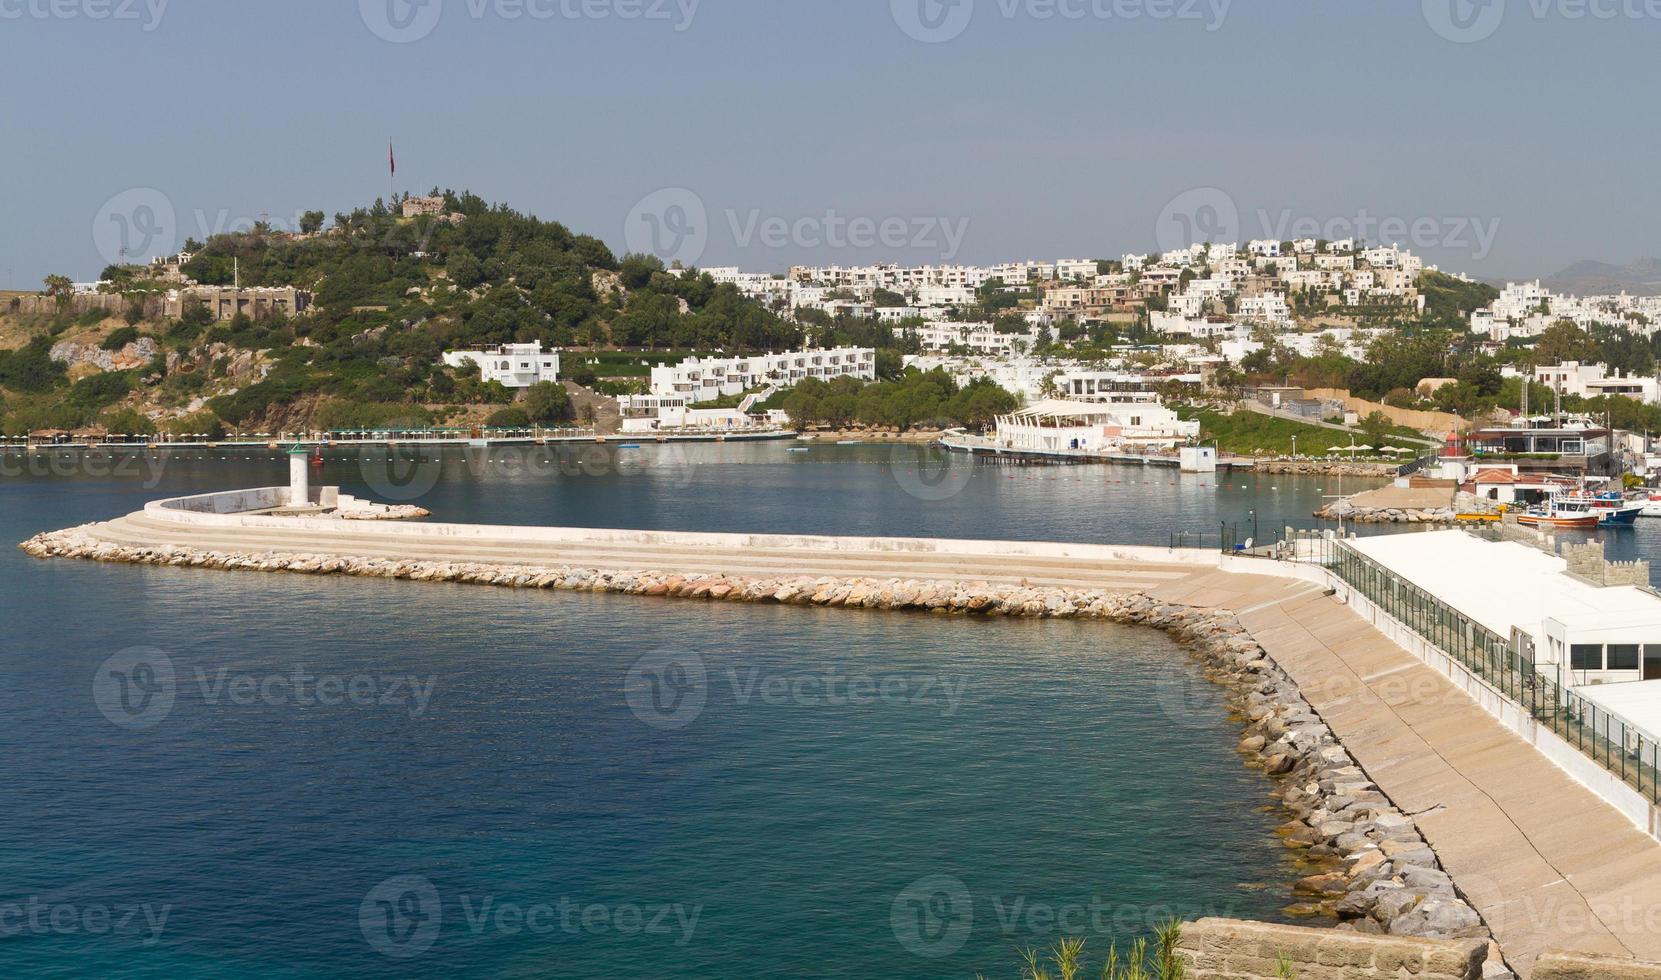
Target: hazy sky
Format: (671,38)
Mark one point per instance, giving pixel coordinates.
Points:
(1501,139)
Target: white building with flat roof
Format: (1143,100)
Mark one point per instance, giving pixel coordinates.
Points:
(706,379)
(512,365)
(1089,428)
(1583,634)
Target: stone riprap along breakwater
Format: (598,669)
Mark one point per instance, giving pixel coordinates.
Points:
(1374,867)
(1406,505)
(1321,467)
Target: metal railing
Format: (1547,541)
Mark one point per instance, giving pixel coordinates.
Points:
(1229,538)
(1509,668)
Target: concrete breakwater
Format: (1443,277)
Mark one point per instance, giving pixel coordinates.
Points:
(1316,467)
(1375,871)
(1411,505)
(1343,510)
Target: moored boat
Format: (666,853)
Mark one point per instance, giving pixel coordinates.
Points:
(1561,512)
(1612,508)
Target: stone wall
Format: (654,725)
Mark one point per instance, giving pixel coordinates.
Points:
(1225,949)
(1573,966)
(1436,423)
(1586,562)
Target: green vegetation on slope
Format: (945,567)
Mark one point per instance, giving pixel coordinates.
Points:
(914,399)
(1247,433)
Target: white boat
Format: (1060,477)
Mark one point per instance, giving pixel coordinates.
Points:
(1652,505)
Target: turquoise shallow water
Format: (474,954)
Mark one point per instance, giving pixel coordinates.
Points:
(584,786)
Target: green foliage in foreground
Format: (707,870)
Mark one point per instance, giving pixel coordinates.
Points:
(1145,961)
(1157,962)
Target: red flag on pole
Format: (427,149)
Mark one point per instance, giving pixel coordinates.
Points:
(391,160)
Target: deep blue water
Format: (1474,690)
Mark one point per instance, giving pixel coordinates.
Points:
(503,796)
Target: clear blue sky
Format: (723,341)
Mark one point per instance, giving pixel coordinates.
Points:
(1038,136)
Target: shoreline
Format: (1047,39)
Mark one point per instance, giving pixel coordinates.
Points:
(1383,878)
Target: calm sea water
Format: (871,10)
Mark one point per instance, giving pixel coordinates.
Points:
(218,775)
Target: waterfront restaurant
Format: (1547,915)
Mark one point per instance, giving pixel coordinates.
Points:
(1086,427)
(1573,444)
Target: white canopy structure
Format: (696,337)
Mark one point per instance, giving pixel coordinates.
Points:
(1058,426)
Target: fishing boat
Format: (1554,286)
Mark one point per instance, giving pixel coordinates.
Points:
(1613,508)
(1561,512)
(1652,504)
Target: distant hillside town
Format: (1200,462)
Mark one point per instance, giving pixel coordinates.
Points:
(443,310)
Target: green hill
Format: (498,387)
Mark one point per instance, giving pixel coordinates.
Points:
(390,295)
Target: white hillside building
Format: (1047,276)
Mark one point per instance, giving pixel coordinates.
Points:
(706,379)
(512,365)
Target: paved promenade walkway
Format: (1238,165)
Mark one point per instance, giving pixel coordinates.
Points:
(143,530)
(1548,864)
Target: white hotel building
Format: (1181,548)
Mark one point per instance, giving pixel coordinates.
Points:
(702,379)
(513,365)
